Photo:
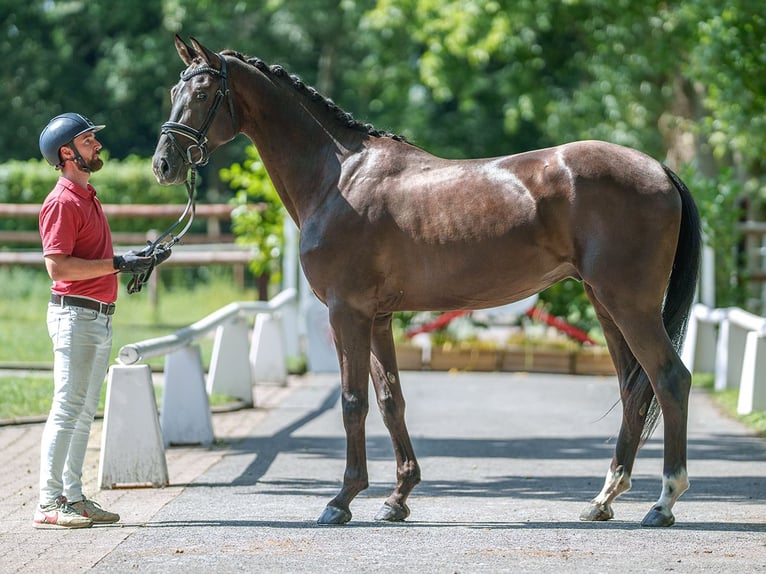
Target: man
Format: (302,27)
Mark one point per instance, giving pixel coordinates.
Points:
(79,257)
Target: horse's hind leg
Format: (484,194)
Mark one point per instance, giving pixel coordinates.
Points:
(618,477)
(648,340)
(385,378)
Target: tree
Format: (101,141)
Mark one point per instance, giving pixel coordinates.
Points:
(257,218)
(726,68)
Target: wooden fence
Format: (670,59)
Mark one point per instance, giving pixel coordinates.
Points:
(214,215)
(213,247)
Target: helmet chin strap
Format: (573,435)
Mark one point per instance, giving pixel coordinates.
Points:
(78,159)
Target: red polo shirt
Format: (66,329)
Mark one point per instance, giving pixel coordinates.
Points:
(73,223)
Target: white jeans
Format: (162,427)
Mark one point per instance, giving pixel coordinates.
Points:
(82,343)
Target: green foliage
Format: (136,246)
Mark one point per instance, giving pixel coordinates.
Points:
(568,301)
(461,78)
(129,181)
(26,182)
(719,201)
(727,63)
(511,76)
(258,216)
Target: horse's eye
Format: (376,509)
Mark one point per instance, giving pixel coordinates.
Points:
(200,96)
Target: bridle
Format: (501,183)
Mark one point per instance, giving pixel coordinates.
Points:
(197,148)
(199,137)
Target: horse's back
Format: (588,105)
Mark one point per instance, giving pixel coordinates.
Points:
(475,233)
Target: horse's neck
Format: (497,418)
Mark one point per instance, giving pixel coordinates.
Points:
(301,150)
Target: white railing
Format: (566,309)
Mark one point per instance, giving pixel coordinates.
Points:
(731,344)
(134,435)
(135,352)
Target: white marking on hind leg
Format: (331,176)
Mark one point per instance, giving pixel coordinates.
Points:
(616,483)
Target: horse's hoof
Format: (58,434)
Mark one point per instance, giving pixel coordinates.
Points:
(334,515)
(658,517)
(597,513)
(392,513)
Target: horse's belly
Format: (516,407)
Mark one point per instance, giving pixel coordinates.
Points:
(478,280)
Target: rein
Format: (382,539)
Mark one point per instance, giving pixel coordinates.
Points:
(198,148)
(154,248)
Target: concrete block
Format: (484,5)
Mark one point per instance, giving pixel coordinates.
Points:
(267,350)
(230,372)
(132,451)
(185,414)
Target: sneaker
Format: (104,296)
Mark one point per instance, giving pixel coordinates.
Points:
(92,510)
(60,513)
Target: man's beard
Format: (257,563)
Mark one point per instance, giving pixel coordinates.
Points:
(91,166)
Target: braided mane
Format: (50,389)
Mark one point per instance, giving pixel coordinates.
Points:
(344,118)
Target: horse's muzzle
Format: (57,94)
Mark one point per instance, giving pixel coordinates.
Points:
(166,170)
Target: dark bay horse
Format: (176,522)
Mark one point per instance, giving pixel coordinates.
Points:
(385,226)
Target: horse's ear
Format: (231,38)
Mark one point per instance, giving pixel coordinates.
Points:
(186,52)
(210,57)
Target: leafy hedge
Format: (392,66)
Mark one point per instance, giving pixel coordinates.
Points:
(128,181)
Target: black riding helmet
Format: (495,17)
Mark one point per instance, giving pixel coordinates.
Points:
(60,131)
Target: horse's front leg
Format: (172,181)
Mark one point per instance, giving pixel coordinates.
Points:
(351,332)
(385,377)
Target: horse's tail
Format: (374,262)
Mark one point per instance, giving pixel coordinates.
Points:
(679,296)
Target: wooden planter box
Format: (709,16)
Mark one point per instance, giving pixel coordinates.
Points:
(538,360)
(530,358)
(594,362)
(464,359)
(409,357)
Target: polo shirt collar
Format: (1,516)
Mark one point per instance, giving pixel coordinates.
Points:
(84,192)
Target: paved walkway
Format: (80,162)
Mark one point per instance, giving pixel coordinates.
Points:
(508,462)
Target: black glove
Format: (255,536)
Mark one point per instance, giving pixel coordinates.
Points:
(161,254)
(132,262)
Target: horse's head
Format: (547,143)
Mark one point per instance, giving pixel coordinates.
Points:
(196,125)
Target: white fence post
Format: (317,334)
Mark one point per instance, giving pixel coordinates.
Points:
(132,451)
(321,356)
(736,353)
(230,372)
(704,354)
(689,347)
(752,386)
(267,350)
(185,413)
(722,356)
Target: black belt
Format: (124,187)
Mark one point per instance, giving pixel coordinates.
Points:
(69,301)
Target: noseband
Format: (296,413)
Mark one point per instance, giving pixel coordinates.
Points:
(199,137)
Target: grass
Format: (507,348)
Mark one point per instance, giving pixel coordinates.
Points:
(24,396)
(24,339)
(30,396)
(727,402)
(23,331)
